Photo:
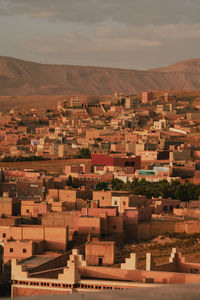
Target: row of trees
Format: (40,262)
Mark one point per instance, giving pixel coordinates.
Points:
(163,188)
(23,158)
(83,153)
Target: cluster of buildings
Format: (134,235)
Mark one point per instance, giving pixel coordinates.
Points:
(58,231)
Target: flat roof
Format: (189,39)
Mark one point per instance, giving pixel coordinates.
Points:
(35,260)
(100,243)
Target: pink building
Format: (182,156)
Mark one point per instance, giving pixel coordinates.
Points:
(77,276)
(147,96)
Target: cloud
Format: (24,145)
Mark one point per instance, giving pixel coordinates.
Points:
(126,46)
(97,11)
(104,42)
(43,15)
(118,33)
(154,34)
(74,49)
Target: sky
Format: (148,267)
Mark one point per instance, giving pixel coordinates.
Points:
(133,34)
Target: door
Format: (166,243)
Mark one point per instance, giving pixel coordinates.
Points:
(100,263)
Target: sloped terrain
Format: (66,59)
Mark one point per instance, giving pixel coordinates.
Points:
(18,77)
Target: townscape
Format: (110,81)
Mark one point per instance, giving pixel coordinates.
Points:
(100,193)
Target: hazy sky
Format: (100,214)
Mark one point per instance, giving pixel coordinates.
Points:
(135,34)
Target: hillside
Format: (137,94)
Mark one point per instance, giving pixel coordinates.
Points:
(187,66)
(18,77)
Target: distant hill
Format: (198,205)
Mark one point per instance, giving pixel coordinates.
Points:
(186,66)
(18,77)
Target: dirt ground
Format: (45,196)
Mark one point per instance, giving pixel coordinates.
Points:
(49,166)
(161,247)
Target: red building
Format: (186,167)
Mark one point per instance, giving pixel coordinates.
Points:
(107,160)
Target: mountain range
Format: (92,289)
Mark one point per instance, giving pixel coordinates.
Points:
(19,77)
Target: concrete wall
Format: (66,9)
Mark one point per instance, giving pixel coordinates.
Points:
(56,237)
(9,206)
(146,231)
(103,250)
(59,219)
(88,224)
(138,275)
(189,212)
(131,216)
(17,249)
(21,291)
(32,208)
(115,225)
(104,198)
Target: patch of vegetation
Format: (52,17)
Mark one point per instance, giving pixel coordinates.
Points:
(163,188)
(24,158)
(83,153)
(101,186)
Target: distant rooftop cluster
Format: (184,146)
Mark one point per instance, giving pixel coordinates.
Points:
(88,186)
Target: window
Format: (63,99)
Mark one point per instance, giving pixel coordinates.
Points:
(88,178)
(124,203)
(81,178)
(115,203)
(149,280)
(11,249)
(24,250)
(114,226)
(27,210)
(96,179)
(102,198)
(194,271)
(4,235)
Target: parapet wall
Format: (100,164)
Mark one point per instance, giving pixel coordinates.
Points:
(146,231)
(138,275)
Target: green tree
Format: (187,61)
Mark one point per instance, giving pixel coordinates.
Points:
(117,184)
(69,181)
(181,193)
(101,186)
(84,153)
